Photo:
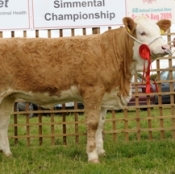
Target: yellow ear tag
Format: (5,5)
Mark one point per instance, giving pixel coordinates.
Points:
(129,31)
(162,31)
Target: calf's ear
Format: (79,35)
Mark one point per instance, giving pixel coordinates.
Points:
(129,24)
(164,25)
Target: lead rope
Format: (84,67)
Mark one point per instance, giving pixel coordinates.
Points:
(173,44)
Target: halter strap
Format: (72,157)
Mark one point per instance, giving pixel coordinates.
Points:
(149,42)
(155,40)
(143,42)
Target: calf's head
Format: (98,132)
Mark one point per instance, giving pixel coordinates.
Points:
(144,31)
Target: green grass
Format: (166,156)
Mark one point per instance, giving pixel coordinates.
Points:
(132,157)
(122,158)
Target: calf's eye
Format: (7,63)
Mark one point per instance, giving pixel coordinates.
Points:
(143,33)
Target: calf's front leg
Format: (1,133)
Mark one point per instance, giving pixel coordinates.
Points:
(92,114)
(99,132)
(92,124)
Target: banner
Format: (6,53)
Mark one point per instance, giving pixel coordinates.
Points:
(77,13)
(60,14)
(153,9)
(14,15)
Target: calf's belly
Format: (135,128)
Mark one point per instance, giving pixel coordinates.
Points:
(109,101)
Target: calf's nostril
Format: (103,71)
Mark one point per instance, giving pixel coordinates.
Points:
(166,47)
(163,48)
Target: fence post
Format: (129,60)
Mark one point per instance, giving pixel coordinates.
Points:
(64,125)
(1,34)
(15,125)
(96,30)
(76,123)
(27,125)
(114,125)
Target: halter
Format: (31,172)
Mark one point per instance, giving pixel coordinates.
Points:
(149,42)
(143,42)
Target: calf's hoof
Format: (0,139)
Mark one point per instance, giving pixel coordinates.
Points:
(8,155)
(101,153)
(95,161)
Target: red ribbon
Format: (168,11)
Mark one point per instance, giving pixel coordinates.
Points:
(144,52)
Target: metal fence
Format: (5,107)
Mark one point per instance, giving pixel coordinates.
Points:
(148,121)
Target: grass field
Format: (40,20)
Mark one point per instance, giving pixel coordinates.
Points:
(132,157)
(145,157)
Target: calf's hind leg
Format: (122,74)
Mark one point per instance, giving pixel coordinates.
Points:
(5,111)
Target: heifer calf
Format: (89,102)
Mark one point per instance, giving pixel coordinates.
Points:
(95,70)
